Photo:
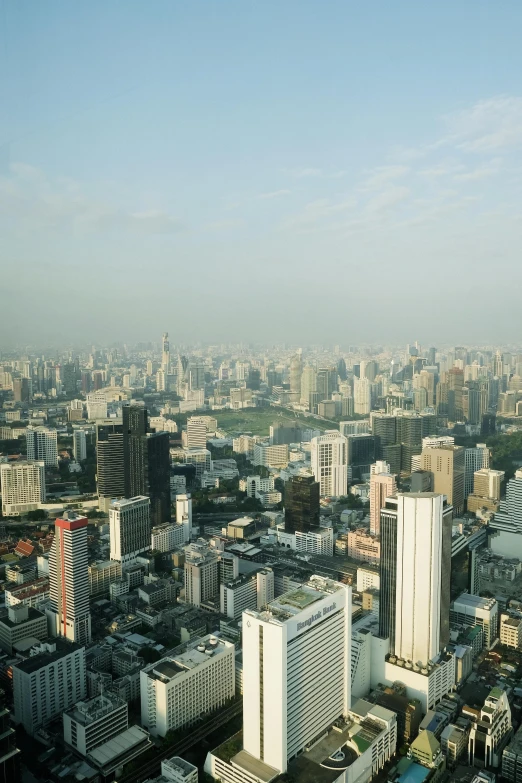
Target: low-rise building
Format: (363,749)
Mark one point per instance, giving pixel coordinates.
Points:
(469,610)
(177,690)
(21,622)
(511,631)
(28,593)
(512,759)
(94,722)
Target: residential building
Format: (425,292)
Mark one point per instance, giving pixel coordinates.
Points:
(42,444)
(101,575)
(512,759)
(177,690)
(200,458)
(283,645)
(446,463)
(196,433)
(270,456)
(248,591)
(329,457)
(166,538)
(130,528)
(23,486)
(91,723)
(471,610)
(382,486)
(362,397)
(453,743)
(79,445)
(201,575)
(362,545)
(47,683)
(69,579)
(28,593)
(511,631)
(474,459)
(487,483)
(509,516)
(184,515)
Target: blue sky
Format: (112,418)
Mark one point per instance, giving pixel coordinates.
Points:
(315,171)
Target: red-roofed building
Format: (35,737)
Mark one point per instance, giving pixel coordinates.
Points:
(24,548)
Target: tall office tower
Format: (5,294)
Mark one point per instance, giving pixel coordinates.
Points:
(296,370)
(146,459)
(432,356)
(196,375)
(415,570)
(308,384)
(341,369)
(79,445)
(196,433)
(23,486)
(129,527)
(509,515)
(69,378)
(427,380)
(42,444)
(21,389)
(201,575)
(474,459)
(302,506)
(455,380)
(369,370)
(360,456)
(329,456)
(110,480)
(326,380)
(283,650)
(165,353)
(69,578)
(149,368)
(362,401)
(382,486)
(447,465)
(420,399)
(184,515)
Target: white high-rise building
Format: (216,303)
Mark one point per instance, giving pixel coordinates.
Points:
(184,515)
(329,455)
(362,396)
(382,486)
(129,527)
(196,433)
(42,444)
(79,445)
(23,486)
(292,696)
(69,579)
(165,353)
(165,538)
(419,576)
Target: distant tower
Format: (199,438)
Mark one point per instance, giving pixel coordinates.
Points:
(296,370)
(165,354)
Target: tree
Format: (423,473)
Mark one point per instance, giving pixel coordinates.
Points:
(149,654)
(37,516)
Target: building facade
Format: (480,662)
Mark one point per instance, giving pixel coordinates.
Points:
(69,579)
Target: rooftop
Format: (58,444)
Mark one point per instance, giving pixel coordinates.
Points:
(474,601)
(170,667)
(120,745)
(295,601)
(36,662)
(85,712)
(179,765)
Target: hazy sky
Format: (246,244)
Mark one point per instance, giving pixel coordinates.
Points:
(344,171)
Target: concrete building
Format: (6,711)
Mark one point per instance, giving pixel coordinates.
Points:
(329,459)
(176,691)
(474,459)
(512,759)
(48,683)
(42,444)
(201,575)
(21,622)
(176,770)
(101,575)
(28,593)
(362,397)
(91,723)
(283,648)
(110,481)
(23,486)
(248,591)
(70,615)
(471,610)
(166,538)
(196,433)
(270,456)
(382,486)
(487,483)
(361,545)
(129,526)
(184,515)
(446,464)
(490,732)
(79,445)
(511,631)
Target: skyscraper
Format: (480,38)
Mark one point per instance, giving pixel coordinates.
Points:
(382,486)
(69,578)
(296,370)
(110,478)
(292,696)
(329,456)
(129,527)
(42,444)
(165,353)
(415,575)
(21,389)
(184,515)
(362,400)
(146,459)
(79,445)
(302,495)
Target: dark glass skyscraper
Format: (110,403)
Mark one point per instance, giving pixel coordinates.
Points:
(301,503)
(146,463)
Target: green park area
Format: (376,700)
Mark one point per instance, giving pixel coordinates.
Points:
(258,420)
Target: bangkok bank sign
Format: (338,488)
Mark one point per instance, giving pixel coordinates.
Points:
(318,616)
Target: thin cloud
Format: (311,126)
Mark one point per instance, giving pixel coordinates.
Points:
(274,194)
